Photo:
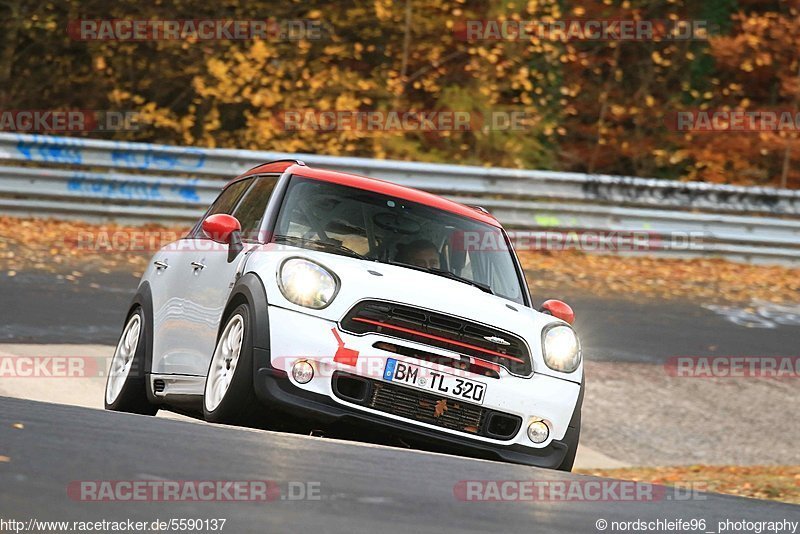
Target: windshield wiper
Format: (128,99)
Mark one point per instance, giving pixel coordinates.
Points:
(453,276)
(325,246)
(445,274)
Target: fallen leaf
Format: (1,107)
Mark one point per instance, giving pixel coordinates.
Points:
(18,425)
(441,407)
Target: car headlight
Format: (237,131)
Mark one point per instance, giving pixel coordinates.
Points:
(562,350)
(307,283)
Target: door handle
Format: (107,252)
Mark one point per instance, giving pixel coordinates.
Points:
(198,265)
(160,264)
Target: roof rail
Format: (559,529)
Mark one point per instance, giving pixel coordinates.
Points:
(295,161)
(479,208)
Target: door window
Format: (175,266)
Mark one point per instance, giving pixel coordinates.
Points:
(251,208)
(225,203)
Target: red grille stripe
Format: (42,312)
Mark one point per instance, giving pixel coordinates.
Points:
(437,338)
(486,365)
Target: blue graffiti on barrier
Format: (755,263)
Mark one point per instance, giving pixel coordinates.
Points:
(187,159)
(133,189)
(50,149)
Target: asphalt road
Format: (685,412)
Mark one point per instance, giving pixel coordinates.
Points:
(359,488)
(38,308)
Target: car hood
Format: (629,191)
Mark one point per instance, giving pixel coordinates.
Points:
(361,280)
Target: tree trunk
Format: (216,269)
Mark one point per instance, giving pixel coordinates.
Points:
(13,22)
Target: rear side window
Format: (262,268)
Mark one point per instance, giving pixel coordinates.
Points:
(227,201)
(251,208)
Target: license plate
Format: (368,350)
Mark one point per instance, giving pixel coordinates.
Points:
(434,381)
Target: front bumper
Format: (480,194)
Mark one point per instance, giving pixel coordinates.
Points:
(296,335)
(275,390)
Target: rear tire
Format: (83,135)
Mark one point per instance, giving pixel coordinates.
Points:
(228,396)
(126,383)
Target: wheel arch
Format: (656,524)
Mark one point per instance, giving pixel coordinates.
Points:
(143,298)
(249,289)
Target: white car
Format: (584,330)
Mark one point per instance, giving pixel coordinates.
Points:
(324,298)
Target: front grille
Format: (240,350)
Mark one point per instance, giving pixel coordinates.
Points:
(424,407)
(439,330)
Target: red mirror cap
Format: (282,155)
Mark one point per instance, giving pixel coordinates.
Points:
(219,227)
(559,309)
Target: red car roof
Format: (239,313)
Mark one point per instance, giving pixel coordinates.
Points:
(373,184)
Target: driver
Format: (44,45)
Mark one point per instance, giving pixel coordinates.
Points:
(421,253)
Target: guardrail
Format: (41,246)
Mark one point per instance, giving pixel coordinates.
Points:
(139,182)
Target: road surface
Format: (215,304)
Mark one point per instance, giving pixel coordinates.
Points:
(356,487)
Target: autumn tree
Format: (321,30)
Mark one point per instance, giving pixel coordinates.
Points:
(597,106)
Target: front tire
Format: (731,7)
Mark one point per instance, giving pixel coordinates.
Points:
(126,383)
(228,395)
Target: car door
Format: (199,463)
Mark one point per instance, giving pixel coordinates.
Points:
(175,317)
(212,274)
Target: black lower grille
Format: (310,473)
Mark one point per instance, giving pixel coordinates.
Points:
(447,413)
(440,330)
(417,405)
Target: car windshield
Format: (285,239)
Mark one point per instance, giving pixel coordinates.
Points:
(364,224)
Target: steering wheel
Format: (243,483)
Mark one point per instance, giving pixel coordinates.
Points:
(397,223)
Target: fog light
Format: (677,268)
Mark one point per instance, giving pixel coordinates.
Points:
(302,372)
(538,432)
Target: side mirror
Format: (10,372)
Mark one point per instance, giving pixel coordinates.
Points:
(220,227)
(225,229)
(559,309)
